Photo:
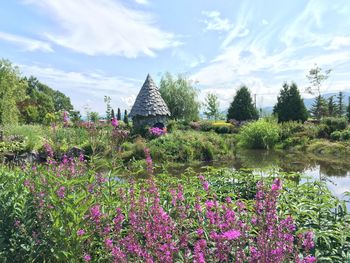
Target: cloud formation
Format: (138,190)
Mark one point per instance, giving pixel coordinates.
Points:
(105,27)
(25,43)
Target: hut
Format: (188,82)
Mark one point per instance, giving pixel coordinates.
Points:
(149,108)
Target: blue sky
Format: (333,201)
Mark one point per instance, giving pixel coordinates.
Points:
(91,48)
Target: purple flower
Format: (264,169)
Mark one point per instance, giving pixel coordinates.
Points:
(155,131)
(114,123)
(80,232)
(231,234)
(277,185)
(87,257)
(61,192)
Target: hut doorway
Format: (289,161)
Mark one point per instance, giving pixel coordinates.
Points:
(159,125)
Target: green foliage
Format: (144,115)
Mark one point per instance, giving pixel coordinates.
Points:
(187,146)
(320,108)
(94,116)
(340,104)
(332,107)
(324,147)
(316,77)
(126,118)
(242,107)
(340,135)
(212,106)
(261,134)
(119,115)
(331,124)
(348,110)
(290,106)
(12,91)
(180,96)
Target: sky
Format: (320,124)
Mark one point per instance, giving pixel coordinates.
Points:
(89,49)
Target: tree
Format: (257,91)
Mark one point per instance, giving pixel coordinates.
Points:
(242,107)
(94,116)
(180,97)
(112,114)
(332,107)
(319,108)
(316,76)
(212,106)
(290,106)
(41,100)
(12,91)
(107,100)
(75,116)
(340,106)
(119,116)
(348,110)
(126,118)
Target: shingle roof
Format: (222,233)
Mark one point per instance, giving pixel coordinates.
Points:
(149,102)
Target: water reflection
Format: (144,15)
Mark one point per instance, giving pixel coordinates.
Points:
(334,171)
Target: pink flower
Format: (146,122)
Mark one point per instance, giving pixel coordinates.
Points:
(200,231)
(80,232)
(231,234)
(109,243)
(114,123)
(155,131)
(310,259)
(277,185)
(87,257)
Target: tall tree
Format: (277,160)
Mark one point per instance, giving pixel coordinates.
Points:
(290,106)
(348,110)
(316,77)
(340,104)
(126,118)
(112,114)
(119,115)
(332,107)
(107,100)
(242,107)
(180,96)
(319,109)
(212,106)
(12,91)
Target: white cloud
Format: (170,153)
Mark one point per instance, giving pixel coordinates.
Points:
(142,2)
(104,27)
(268,56)
(339,42)
(264,22)
(27,44)
(215,22)
(82,87)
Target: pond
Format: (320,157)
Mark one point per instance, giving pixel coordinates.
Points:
(334,171)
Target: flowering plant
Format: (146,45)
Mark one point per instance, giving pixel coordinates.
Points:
(155,131)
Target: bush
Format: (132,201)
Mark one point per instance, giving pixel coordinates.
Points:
(290,128)
(187,146)
(336,135)
(331,124)
(260,134)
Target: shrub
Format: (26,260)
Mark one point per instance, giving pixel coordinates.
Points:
(187,146)
(336,135)
(331,124)
(260,134)
(290,128)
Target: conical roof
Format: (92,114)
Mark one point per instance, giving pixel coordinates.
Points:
(149,102)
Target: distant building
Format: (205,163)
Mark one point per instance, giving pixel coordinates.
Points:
(149,108)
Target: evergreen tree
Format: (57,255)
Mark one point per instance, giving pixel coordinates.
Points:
(332,107)
(348,110)
(107,100)
(212,106)
(119,116)
(126,118)
(340,106)
(242,107)
(112,114)
(319,108)
(290,106)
